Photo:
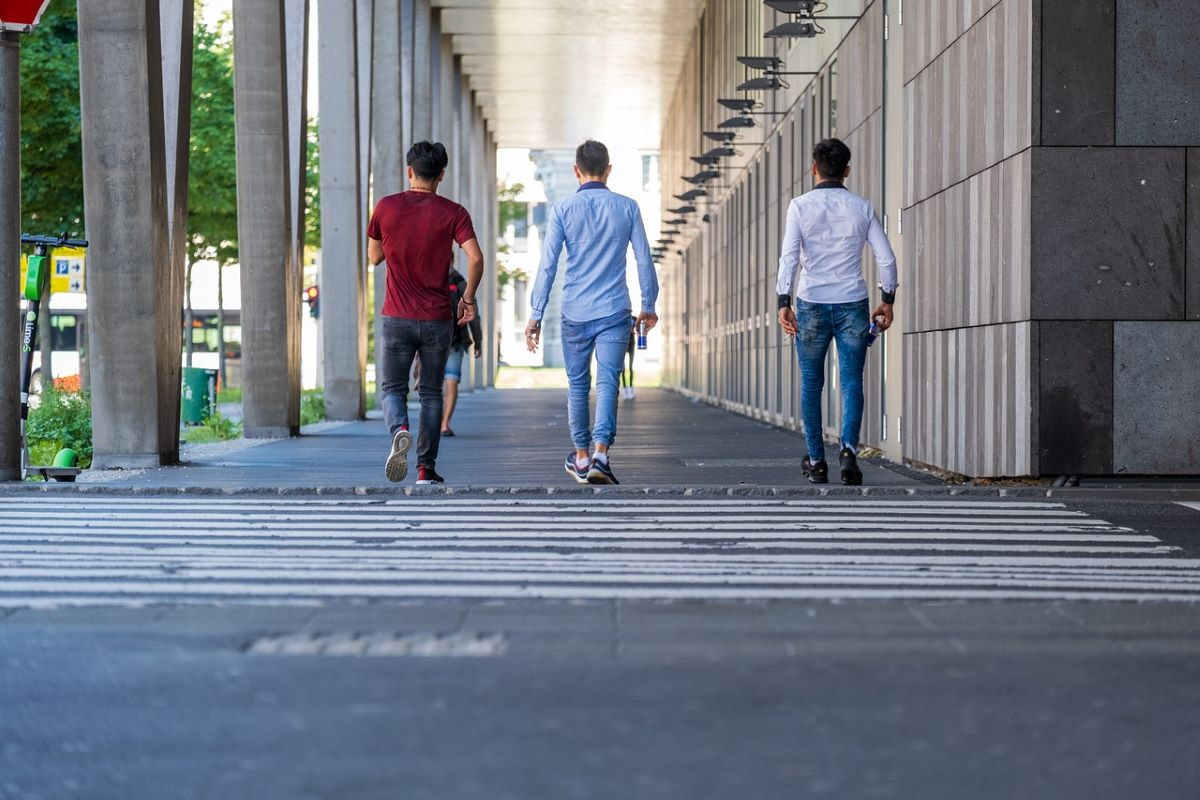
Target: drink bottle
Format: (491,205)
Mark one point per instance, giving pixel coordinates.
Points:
(872,333)
(641,337)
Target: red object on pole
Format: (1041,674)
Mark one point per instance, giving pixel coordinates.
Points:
(21,16)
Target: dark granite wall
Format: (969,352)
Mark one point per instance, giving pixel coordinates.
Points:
(1115,244)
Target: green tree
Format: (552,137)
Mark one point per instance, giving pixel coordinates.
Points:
(51,145)
(312,187)
(510,210)
(212,169)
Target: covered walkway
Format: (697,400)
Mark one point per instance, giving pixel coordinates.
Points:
(515,438)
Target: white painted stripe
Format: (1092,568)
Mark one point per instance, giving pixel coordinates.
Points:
(206,580)
(508,528)
(188,551)
(343,535)
(589,561)
(503,500)
(167,592)
(1191,505)
(753,543)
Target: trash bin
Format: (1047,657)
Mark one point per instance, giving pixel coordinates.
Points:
(199,394)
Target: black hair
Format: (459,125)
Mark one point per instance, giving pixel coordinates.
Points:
(428,160)
(592,158)
(831,157)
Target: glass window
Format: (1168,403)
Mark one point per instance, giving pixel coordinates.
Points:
(64,332)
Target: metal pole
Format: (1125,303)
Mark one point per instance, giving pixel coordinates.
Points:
(10,254)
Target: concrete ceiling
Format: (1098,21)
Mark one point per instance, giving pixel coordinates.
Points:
(551,73)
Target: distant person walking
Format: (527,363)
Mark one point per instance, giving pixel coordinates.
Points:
(415,232)
(627,364)
(596,226)
(825,233)
(466,338)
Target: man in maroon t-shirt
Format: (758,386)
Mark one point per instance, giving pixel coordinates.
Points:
(415,232)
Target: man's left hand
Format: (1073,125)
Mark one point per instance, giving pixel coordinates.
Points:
(883,316)
(478,351)
(466,312)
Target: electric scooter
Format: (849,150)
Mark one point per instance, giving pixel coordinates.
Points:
(37,287)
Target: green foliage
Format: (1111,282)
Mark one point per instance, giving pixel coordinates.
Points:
(217,428)
(312,188)
(312,406)
(511,209)
(61,419)
(51,144)
(212,171)
(231,394)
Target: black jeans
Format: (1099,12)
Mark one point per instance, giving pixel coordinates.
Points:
(403,339)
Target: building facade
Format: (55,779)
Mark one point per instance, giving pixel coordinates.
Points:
(1031,164)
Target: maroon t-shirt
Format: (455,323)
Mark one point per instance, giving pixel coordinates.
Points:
(418,231)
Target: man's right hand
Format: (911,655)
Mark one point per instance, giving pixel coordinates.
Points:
(787,321)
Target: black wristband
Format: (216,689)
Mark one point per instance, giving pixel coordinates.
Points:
(889,297)
(785,301)
(468,302)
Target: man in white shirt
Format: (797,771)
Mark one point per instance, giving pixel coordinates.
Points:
(825,234)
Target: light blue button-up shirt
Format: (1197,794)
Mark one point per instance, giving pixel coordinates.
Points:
(826,230)
(597,226)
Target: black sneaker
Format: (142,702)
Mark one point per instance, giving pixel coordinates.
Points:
(427,476)
(396,467)
(816,473)
(580,475)
(601,473)
(851,474)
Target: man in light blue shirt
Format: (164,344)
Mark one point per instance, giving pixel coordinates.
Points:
(826,231)
(596,226)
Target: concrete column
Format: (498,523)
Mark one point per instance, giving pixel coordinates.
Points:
(296,29)
(422,71)
(461,179)
(343,279)
(387,124)
(894,138)
(134,292)
(176,25)
(490,354)
(270,291)
(407,26)
(10,252)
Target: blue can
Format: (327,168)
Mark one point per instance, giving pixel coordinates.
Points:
(872,333)
(641,338)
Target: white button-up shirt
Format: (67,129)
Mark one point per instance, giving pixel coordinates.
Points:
(826,231)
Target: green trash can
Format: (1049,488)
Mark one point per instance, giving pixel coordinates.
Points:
(199,394)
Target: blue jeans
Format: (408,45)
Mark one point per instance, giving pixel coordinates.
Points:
(819,324)
(608,338)
(403,339)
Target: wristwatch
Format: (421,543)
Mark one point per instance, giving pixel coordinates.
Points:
(888,297)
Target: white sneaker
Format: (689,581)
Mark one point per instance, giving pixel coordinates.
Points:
(630,395)
(396,467)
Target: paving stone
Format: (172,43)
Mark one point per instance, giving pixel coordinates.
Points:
(1156,398)
(1108,233)
(1075,406)
(1078,62)
(1158,72)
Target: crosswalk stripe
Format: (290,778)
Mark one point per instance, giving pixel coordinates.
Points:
(148,549)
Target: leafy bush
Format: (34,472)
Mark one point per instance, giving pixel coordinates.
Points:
(217,428)
(61,419)
(312,406)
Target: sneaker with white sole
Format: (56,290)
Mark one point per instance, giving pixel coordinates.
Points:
(427,476)
(396,467)
(601,473)
(580,474)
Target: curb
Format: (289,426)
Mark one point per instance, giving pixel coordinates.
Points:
(777,492)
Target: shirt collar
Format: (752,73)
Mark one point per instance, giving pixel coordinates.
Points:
(830,185)
(592,185)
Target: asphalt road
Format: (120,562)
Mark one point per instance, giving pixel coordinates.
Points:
(157,695)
